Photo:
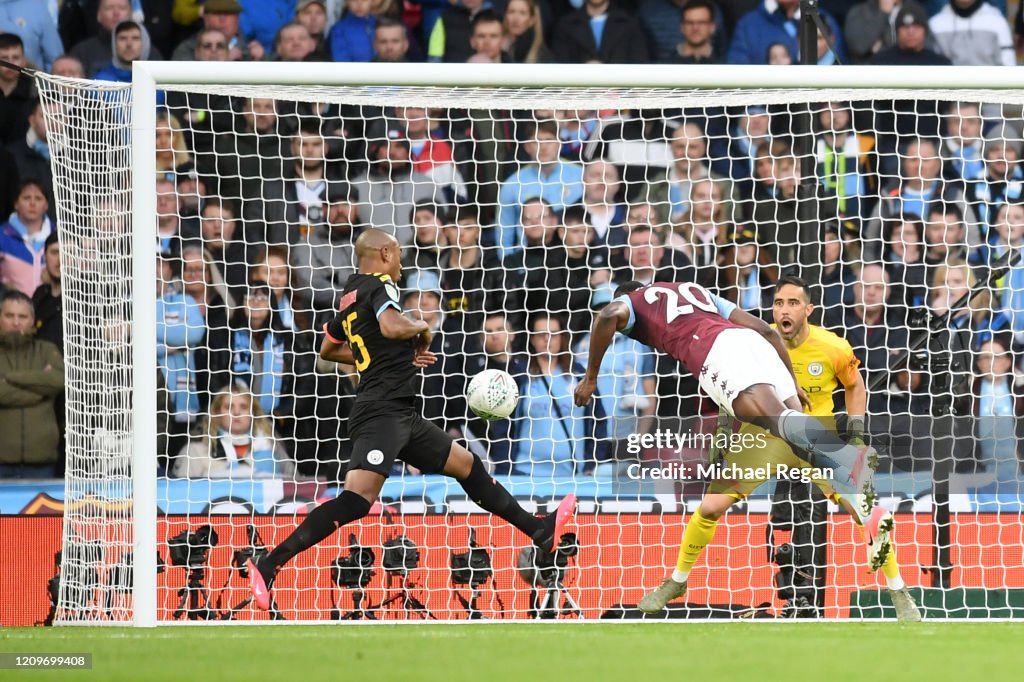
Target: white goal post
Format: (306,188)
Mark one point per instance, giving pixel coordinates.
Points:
(470,86)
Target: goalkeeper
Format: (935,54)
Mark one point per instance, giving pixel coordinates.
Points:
(821,361)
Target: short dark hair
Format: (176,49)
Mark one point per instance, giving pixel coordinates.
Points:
(548,126)
(435,210)
(796,281)
(226,205)
(388,22)
(485,16)
(627,287)
(945,208)
(465,212)
(15,295)
(127,26)
(30,182)
(575,214)
(698,4)
(51,239)
(8,40)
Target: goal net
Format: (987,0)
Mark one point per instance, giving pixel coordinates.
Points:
(519,210)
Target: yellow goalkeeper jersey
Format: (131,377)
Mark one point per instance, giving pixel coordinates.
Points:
(821,363)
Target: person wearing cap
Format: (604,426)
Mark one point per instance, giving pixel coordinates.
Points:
(973,33)
(773,21)
(911,46)
(1001,179)
(313,15)
(870,26)
(222,15)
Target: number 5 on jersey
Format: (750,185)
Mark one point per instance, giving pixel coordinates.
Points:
(356,342)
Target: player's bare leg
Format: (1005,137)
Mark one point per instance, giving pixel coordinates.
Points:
(854,467)
(361,490)
(483,489)
(698,533)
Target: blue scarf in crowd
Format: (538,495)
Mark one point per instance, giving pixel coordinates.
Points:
(265,382)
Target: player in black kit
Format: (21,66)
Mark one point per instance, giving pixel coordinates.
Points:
(388,349)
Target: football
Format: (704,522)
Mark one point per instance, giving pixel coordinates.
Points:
(493,394)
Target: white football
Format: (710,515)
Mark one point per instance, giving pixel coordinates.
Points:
(492,394)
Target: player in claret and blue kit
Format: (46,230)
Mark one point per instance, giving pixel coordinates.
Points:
(742,364)
(388,349)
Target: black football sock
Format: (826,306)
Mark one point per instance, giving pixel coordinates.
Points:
(318,524)
(493,497)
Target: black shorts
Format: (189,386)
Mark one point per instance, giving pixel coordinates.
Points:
(382,431)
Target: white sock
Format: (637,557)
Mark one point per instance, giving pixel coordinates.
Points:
(679,576)
(896,583)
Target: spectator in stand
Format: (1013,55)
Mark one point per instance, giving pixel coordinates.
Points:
(449,40)
(697,27)
(664,23)
(600,33)
(129,42)
(1007,233)
(261,20)
(47,301)
(273,267)
(973,33)
(945,237)
(703,230)
(524,33)
(31,377)
(962,143)
(843,159)
(313,15)
(32,154)
(222,15)
(869,26)
(903,259)
(180,331)
(294,43)
(773,21)
(221,237)
(204,115)
(534,277)
(172,154)
(170,228)
(236,441)
(554,439)
(252,154)
(499,353)
(752,128)
(605,213)
(261,352)
(920,183)
(586,263)
(1011,234)
(17,91)
(201,280)
(950,282)
(486,39)
(325,259)
(874,327)
(911,42)
(390,189)
(837,277)
(559,183)
(649,261)
(747,280)
(689,163)
(31,21)
(998,406)
(352,36)
(67,66)
(424,253)
(464,268)
(779,55)
(390,41)
(575,127)
(432,156)
(1001,178)
(23,239)
(95,51)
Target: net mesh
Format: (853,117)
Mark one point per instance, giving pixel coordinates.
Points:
(516,224)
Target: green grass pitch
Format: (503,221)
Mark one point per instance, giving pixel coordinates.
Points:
(661,652)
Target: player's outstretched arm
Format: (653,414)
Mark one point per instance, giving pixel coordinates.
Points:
(396,326)
(612,318)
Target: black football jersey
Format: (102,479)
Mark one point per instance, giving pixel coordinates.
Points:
(385,365)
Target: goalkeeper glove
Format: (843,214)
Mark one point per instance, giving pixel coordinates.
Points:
(855,431)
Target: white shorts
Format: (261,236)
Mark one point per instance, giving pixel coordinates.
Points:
(739,359)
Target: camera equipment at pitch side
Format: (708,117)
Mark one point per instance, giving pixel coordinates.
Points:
(401,557)
(255,550)
(472,568)
(354,571)
(191,551)
(794,586)
(546,570)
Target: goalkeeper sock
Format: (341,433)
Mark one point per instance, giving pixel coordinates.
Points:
(318,524)
(824,448)
(492,496)
(696,537)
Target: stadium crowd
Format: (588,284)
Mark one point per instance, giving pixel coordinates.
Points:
(516,225)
